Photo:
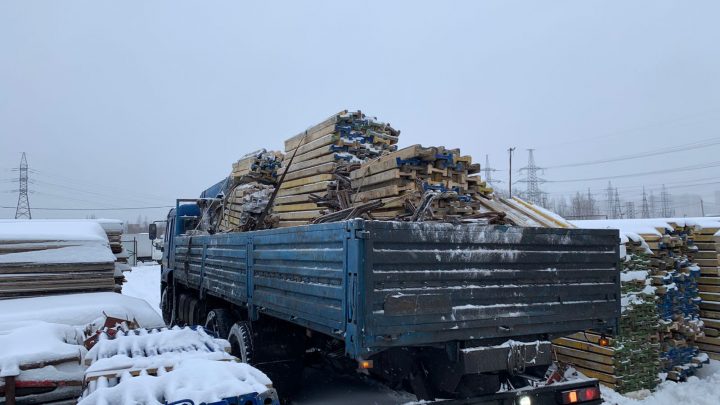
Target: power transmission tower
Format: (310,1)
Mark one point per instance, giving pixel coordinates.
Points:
(645,210)
(630,209)
(609,197)
(653,205)
(487,170)
(23,205)
(617,208)
(665,201)
(592,208)
(533,193)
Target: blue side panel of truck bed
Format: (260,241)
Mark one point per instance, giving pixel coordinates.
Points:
(378,285)
(427,283)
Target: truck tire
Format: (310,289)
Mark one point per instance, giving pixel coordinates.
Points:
(193,305)
(181,317)
(219,321)
(197,312)
(241,341)
(166,305)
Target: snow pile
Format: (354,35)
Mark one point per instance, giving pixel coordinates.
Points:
(29,342)
(703,389)
(19,230)
(198,380)
(649,225)
(152,344)
(79,309)
(144,282)
(63,255)
(631,226)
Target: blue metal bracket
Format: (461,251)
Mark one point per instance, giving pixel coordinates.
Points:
(354,245)
(410,162)
(250,280)
(202,272)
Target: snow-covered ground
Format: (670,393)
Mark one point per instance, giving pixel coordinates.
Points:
(144,282)
(704,389)
(78,309)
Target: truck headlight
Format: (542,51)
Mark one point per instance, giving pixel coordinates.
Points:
(524,400)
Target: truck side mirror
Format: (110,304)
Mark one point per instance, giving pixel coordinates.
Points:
(152,231)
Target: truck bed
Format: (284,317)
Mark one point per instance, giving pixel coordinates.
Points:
(378,285)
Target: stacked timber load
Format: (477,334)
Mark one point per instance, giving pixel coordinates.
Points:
(114,230)
(418,183)
(323,157)
(260,166)
(244,205)
(249,187)
(54,257)
(706,256)
(675,276)
(631,361)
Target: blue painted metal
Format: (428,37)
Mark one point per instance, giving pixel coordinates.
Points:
(378,285)
(216,189)
(252,398)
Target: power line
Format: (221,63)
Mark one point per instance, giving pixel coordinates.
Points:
(662,151)
(98,209)
(95,193)
(620,176)
(107,187)
(633,129)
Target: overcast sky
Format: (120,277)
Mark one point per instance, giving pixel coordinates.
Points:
(133,104)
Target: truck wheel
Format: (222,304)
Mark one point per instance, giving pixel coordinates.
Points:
(241,341)
(197,312)
(219,321)
(192,312)
(181,317)
(166,305)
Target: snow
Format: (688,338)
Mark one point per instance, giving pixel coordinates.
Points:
(79,309)
(703,389)
(198,380)
(68,254)
(634,275)
(632,226)
(18,230)
(557,218)
(34,341)
(144,282)
(649,225)
(113,353)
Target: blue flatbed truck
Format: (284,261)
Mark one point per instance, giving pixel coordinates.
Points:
(446,311)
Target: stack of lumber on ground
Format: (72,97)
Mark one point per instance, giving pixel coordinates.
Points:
(631,361)
(317,182)
(114,230)
(40,363)
(54,257)
(704,235)
(675,277)
(121,359)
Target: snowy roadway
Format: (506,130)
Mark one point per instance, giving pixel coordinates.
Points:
(324,387)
